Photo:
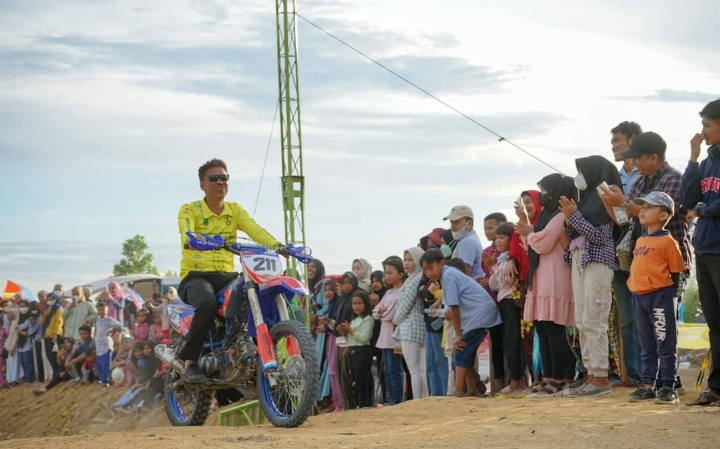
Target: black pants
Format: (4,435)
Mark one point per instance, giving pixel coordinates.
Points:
(39,361)
(708,277)
(511,337)
(198,289)
(377,354)
(58,378)
(553,348)
(360,363)
(496,344)
(346,381)
(52,356)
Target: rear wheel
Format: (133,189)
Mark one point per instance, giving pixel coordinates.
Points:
(289,393)
(185,405)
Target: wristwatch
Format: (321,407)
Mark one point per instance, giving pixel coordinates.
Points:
(626,204)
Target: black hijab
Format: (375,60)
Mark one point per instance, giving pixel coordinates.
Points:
(556,186)
(380,276)
(595,170)
(319,275)
(345,301)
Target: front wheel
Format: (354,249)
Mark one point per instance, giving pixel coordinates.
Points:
(185,406)
(288,394)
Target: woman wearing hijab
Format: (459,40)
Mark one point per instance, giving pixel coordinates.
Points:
(51,328)
(116,309)
(331,347)
(528,213)
(11,321)
(349,284)
(378,287)
(362,270)
(316,274)
(592,258)
(321,340)
(410,331)
(549,299)
(317,303)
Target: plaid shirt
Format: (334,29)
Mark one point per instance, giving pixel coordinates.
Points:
(599,243)
(409,313)
(668,180)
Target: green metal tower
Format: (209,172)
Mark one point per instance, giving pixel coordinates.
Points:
(293,180)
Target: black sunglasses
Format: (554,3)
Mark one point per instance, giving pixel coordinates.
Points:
(216,178)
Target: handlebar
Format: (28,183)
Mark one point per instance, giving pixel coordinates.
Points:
(205,242)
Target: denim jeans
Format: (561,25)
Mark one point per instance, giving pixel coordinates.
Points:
(436,364)
(393,376)
(628,328)
(26,360)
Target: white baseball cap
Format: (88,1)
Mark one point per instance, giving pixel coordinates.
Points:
(459,212)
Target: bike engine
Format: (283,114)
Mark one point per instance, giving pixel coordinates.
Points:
(238,362)
(212,363)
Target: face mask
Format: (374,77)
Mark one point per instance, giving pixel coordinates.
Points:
(50,302)
(580,182)
(58,293)
(75,298)
(458,235)
(23,310)
(545,199)
(446,250)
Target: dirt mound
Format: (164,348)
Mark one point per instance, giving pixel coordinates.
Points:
(610,421)
(444,422)
(65,410)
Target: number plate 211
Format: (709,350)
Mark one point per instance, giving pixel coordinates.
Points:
(264,267)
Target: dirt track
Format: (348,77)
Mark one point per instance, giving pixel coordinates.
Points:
(431,422)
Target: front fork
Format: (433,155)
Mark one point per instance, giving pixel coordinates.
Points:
(268,360)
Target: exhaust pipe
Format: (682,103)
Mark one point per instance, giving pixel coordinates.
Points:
(168,356)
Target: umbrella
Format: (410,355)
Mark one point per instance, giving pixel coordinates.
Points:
(11,288)
(134,297)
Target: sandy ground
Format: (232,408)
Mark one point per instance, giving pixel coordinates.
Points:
(432,422)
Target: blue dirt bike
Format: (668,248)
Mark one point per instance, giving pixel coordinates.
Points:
(262,348)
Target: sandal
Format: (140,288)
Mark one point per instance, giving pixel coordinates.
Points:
(559,387)
(538,386)
(707,398)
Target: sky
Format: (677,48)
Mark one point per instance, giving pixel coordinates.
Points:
(107,109)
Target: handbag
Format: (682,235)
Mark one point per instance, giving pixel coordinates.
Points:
(626,245)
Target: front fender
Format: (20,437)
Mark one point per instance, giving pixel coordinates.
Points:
(283,285)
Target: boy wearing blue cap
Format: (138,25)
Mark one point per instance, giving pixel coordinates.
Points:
(654,276)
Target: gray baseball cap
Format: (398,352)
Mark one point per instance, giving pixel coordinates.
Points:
(657,199)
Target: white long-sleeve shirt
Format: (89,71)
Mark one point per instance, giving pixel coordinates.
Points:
(501,280)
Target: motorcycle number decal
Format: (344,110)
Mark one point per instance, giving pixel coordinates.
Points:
(263,264)
(262,267)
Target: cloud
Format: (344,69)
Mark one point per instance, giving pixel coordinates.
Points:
(39,265)
(673,96)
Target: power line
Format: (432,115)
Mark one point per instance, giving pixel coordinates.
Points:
(500,138)
(267,152)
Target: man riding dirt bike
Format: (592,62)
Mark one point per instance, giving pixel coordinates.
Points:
(235,330)
(203,274)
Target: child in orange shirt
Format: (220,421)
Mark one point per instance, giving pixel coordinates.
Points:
(654,274)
